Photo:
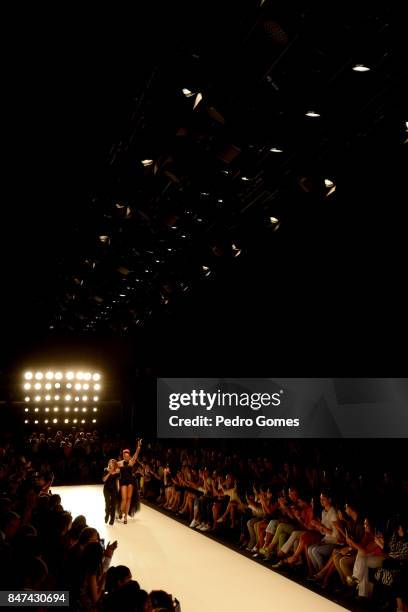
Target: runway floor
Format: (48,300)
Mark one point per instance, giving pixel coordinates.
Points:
(204,575)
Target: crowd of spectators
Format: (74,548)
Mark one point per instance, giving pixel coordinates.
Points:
(335,521)
(44,548)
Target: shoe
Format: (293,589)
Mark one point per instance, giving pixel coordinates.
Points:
(249,548)
(276,565)
(351,580)
(263,550)
(255,549)
(193,523)
(206,528)
(111,522)
(220,520)
(256,555)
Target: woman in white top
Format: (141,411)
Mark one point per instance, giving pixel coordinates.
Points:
(318,553)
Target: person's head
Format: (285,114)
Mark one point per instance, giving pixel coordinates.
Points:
(117,576)
(325,500)
(402,530)
(63,522)
(161,600)
(88,535)
(33,573)
(351,510)
(91,560)
(293,494)
(368,525)
(78,524)
(9,524)
(112,464)
(126,454)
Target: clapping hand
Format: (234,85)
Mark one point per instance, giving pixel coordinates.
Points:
(110,548)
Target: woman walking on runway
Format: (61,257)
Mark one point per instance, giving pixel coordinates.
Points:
(127,481)
(111,489)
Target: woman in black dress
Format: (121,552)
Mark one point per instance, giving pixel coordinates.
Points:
(111,489)
(127,481)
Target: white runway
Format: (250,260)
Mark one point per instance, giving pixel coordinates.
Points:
(204,575)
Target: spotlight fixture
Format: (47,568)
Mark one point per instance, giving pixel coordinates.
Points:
(47,398)
(49,375)
(330,185)
(78,386)
(276,150)
(57,385)
(80,375)
(58,376)
(93,420)
(236,252)
(206,271)
(82,420)
(48,386)
(69,386)
(75,421)
(84,409)
(69,375)
(66,420)
(94,409)
(36,409)
(76,409)
(55,420)
(37,386)
(147,162)
(95,398)
(97,387)
(27,386)
(361,68)
(28,375)
(25,409)
(85,387)
(56,409)
(76,398)
(56,397)
(84,398)
(39,375)
(244,178)
(36,422)
(26,421)
(87,376)
(197,101)
(37,398)
(67,398)
(66,409)
(47,409)
(274,223)
(27,399)
(187,93)
(96,376)
(104,239)
(312,113)
(45,421)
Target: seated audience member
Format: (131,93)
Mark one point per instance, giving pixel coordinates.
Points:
(317,553)
(393,574)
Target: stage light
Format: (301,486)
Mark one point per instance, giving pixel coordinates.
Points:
(36,409)
(83,421)
(276,150)
(57,386)
(147,162)
(206,270)
(26,421)
(27,399)
(67,398)
(47,398)
(48,386)
(49,375)
(28,375)
(37,398)
(275,223)
(84,398)
(361,68)
(69,375)
(45,421)
(27,386)
(76,409)
(36,422)
(96,376)
(66,409)
(58,375)
(68,385)
(95,398)
(244,178)
(312,113)
(330,185)
(39,375)
(94,409)
(66,420)
(93,420)
(47,409)
(57,397)
(37,386)
(104,239)
(236,252)
(75,421)
(97,387)
(77,399)
(198,99)
(85,387)
(187,92)
(55,420)
(84,409)
(78,386)
(25,409)
(56,409)
(87,376)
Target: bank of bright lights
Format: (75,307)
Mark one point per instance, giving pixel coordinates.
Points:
(47,380)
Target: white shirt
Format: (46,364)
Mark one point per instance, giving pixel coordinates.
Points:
(328,518)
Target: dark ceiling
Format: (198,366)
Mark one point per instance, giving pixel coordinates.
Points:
(222,234)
